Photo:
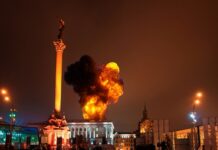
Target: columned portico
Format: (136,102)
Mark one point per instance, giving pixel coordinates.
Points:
(94,132)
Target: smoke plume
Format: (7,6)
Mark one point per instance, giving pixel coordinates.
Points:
(97,86)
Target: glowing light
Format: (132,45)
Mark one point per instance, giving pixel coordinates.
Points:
(199,94)
(94,109)
(59,52)
(96,105)
(4,92)
(192,115)
(7,98)
(113,66)
(109,79)
(197,101)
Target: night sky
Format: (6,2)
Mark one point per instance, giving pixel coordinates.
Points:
(166,51)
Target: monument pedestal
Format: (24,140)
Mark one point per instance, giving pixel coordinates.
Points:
(57,133)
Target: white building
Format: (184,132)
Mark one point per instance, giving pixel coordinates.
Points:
(96,133)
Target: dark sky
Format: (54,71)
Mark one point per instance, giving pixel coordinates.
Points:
(166,51)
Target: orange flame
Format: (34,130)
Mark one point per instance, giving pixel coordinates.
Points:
(94,107)
(109,80)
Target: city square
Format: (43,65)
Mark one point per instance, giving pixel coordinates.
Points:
(109,75)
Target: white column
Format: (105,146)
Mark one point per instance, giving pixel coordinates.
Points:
(74,131)
(106,132)
(94,132)
(86,131)
(90,133)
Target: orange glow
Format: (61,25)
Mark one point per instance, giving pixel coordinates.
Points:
(109,80)
(199,94)
(4,92)
(59,46)
(113,66)
(7,98)
(197,101)
(94,109)
(58,80)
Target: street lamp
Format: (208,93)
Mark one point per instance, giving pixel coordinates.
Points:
(5,95)
(7,99)
(193,116)
(12,116)
(3,92)
(199,94)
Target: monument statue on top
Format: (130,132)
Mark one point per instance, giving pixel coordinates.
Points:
(61,28)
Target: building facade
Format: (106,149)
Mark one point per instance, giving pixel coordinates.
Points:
(203,136)
(20,137)
(124,141)
(152,131)
(95,133)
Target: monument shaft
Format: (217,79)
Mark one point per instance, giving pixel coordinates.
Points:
(59,45)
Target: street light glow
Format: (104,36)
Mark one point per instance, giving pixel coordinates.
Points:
(3,92)
(197,101)
(7,98)
(199,94)
(192,115)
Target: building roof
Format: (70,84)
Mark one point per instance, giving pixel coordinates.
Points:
(118,132)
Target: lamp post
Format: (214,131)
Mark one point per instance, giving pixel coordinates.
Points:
(193,116)
(12,116)
(5,95)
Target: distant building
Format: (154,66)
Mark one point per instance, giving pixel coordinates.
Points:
(204,136)
(95,133)
(150,131)
(161,131)
(86,134)
(124,141)
(21,136)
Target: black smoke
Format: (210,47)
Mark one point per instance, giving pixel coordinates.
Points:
(83,77)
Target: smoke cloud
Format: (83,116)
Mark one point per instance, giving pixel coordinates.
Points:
(97,86)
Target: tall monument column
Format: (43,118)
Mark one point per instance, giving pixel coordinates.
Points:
(56,131)
(59,46)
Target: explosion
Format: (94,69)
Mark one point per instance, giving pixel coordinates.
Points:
(108,78)
(94,108)
(97,87)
